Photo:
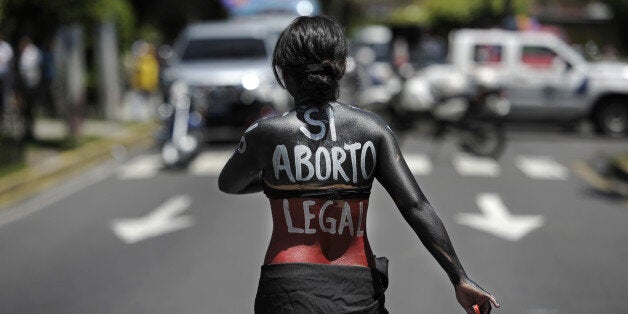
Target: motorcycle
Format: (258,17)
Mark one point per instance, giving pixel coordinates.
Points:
(376,83)
(181,133)
(470,108)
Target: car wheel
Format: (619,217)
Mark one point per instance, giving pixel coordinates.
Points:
(483,140)
(612,118)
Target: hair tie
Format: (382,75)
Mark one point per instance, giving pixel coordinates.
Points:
(314,68)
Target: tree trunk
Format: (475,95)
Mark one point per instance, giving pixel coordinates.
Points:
(108,70)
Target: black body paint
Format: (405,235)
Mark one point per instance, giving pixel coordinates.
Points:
(253,169)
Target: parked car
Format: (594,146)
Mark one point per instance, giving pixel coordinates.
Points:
(227,67)
(542,77)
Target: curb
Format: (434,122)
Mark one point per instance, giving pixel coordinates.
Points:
(20,185)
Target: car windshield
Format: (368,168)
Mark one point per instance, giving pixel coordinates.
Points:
(224,48)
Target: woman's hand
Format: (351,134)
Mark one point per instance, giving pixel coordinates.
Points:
(469,294)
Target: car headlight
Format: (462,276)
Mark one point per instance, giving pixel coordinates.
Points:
(250,81)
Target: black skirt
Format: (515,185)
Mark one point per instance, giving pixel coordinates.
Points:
(316,288)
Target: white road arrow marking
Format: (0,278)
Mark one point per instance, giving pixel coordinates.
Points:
(497,220)
(162,220)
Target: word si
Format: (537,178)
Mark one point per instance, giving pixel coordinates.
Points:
(332,158)
(326,224)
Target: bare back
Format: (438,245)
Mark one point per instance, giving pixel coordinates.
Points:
(317,165)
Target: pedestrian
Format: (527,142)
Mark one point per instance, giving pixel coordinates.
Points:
(316,164)
(48,73)
(28,80)
(145,79)
(6,57)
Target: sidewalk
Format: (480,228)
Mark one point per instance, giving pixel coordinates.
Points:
(47,165)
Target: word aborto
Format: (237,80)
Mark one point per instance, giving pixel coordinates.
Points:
(325,162)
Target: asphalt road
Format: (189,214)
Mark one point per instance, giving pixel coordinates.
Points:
(131,238)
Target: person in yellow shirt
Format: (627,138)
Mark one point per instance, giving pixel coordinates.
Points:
(146,71)
(144,80)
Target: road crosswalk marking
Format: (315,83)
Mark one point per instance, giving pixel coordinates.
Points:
(541,167)
(210,163)
(140,167)
(419,164)
(471,166)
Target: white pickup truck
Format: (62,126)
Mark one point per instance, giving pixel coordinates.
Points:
(542,77)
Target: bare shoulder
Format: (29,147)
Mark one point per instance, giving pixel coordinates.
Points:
(268,132)
(268,124)
(363,119)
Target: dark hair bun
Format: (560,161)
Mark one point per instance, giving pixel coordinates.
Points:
(312,52)
(319,78)
(335,69)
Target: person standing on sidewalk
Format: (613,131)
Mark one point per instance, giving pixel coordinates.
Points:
(6,57)
(48,73)
(316,164)
(145,80)
(29,78)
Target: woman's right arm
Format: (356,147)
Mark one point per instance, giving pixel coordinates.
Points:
(243,172)
(395,176)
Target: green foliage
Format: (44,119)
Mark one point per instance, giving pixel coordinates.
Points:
(168,17)
(150,34)
(521,6)
(410,14)
(430,12)
(43,17)
(452,10)
(119,11)
(11,167)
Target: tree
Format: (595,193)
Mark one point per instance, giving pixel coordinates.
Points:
(170,16)
(620,20)
(457,13)
(21,17)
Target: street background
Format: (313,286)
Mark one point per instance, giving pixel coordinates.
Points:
(91,220)
(64,256)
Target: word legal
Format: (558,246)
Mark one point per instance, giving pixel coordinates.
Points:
(325,223)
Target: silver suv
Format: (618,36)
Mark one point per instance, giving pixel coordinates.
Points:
(227,68)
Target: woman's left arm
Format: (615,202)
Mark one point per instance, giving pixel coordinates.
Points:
(243,172)
(395,176)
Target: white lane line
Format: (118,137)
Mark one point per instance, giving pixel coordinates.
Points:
(209,163)
(140,167)
(471,166)
(419,164)
(541,168)
(56,194)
